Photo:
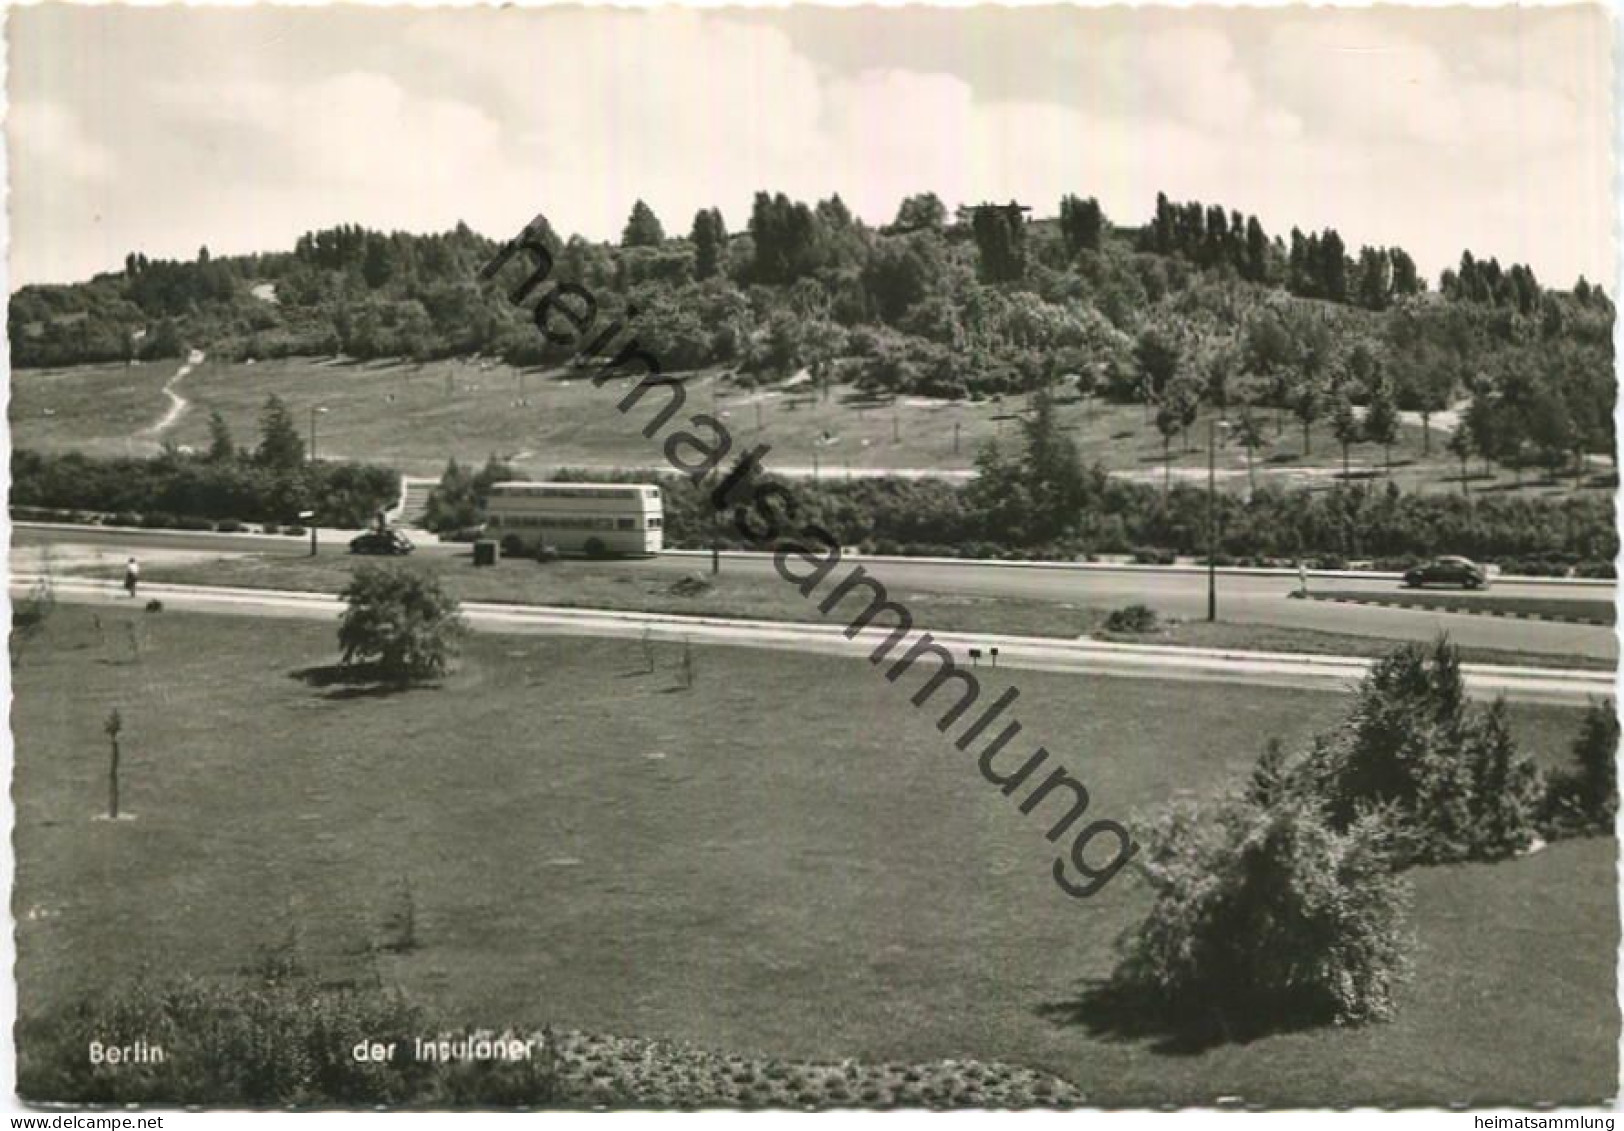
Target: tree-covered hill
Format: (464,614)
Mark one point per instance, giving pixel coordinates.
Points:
(1200,305)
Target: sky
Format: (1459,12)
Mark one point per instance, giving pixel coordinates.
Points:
(163,129)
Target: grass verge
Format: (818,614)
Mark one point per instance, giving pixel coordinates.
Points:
(1582,610)
(1226,636)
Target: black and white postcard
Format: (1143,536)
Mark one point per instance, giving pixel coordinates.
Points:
(812,558)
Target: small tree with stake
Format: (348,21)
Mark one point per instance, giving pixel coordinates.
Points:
(112,727)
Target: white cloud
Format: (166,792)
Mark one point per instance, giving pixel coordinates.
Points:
(1392,130)
(49,136)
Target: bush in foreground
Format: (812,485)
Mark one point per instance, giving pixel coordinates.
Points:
(1265,914)
(1283,904)
(1585,798)
(1449,774)
(400,621)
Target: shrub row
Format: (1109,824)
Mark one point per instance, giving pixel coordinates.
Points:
(171,484)
(155,520)
(1324,528)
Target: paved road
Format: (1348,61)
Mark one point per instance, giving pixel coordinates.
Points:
(1248,598)
(1525,684)
(1242,598)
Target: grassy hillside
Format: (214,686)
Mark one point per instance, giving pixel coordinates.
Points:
(100,409)
(416,416)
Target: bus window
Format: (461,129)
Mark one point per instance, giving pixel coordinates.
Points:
(625,524)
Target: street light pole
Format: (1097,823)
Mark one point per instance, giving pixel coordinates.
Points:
(1212,520)
(314,410)
(716,541)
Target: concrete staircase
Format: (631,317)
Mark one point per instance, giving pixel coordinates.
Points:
(414,497)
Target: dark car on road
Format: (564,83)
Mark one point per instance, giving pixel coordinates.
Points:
(1447,571)
(381,542)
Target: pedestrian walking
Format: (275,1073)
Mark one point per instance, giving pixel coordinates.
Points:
(1302,578)
(132,576)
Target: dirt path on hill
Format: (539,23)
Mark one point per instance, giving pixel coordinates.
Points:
(177,403)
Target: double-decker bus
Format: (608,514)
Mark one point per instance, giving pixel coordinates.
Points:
(595,519)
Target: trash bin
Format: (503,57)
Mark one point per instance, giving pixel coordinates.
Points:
(484,553)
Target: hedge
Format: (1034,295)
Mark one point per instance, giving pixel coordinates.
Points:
(178,491)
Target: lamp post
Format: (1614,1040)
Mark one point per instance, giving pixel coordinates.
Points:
(1213,424)
(315,410)
(716,538)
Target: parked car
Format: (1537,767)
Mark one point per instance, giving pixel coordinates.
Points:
(1447,571)
(390,542)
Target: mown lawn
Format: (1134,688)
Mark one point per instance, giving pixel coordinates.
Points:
(414,417)
(786,860)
